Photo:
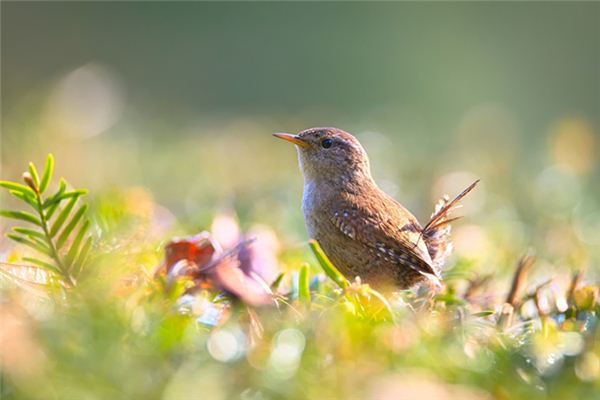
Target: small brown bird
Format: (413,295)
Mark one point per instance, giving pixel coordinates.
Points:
(364,231)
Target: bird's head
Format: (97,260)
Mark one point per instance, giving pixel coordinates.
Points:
(329,154)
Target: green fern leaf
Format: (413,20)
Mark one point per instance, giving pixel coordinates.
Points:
(42,244)
(62,196)
(41,263)
(34,175)
(82,257)
(17,187)
(70,226)
(31,242)
(62,186)
(62,216)
(21,215)
(29,232)
(77,242)
(51,211)
(48,169)
(26,198)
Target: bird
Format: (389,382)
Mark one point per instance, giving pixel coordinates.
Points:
(363,231)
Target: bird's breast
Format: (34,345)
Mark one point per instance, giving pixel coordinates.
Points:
(310,206)
(317,202)
(322,203)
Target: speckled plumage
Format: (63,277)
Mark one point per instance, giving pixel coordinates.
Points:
(364,231)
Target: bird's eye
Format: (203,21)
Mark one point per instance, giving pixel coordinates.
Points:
(326,143)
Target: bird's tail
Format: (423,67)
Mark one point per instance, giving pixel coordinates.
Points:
(437,231)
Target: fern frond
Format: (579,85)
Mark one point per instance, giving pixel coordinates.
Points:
(50,236)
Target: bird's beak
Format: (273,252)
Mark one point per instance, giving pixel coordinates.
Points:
(292,139)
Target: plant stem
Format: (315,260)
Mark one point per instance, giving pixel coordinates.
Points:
(65,272)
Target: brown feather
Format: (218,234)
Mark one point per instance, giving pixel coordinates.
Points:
(436,233)
(443,212)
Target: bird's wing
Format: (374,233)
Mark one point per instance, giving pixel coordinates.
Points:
(391,231)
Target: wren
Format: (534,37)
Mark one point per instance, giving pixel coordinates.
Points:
(364,231)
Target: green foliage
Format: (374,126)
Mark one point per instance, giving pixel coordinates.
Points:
(361,300)
(62,241)
(330,270)
(303,285)
(121,334)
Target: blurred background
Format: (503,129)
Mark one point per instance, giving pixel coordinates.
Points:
(173,105)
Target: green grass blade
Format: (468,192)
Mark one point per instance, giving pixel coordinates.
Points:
(330,270)
(34,175)
(60,220)
(21,215)
(48,169)
(71,225)
(303,285)
(42,264)
(483,314)
(77,242)
(277,281)
(383,301)
(29,232)
(30,242)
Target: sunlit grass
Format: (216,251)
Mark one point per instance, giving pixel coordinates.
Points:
(127,329)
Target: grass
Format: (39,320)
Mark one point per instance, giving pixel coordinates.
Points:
(135,324)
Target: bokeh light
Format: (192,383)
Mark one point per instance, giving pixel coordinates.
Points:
(86,102)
